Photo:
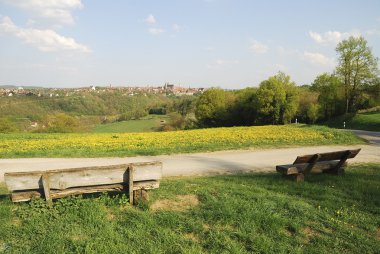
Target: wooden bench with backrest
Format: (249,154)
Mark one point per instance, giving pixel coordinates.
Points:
(134,178)
(332,162)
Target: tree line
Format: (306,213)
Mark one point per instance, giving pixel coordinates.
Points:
(354,85)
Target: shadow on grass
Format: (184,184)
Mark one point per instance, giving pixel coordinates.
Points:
(4,197)
(359,183)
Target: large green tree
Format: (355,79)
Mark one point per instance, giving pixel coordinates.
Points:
(277,99)
(331,95)
(213,108)
(357,67)
(245,110)
(308,107)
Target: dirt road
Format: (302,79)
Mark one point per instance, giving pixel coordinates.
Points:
(195,164)
(371,136)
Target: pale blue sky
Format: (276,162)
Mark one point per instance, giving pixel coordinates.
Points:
(198,43)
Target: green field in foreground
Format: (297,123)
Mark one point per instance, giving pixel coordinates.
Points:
(153,143)
(146,124)
(364,121)
(247,213)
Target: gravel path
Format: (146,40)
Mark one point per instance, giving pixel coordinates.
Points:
(197,163)
(371,136)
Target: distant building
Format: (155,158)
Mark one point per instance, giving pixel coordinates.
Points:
(168,86)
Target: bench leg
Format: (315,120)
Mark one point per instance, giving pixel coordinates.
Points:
(339,168)
(46,186)
(300,177)
(140,195)
(130,185)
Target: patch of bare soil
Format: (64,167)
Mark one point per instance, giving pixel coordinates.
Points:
(16,222)
(110,216)
(206,227)
(378,234)
(192,237)
(79,237)
(179,204)
(309,233)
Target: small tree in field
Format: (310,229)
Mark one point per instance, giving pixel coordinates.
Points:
(277,99)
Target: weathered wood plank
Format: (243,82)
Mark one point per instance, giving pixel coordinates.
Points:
(21,196)
(88,176)
(130,183)
(327,156)
(311,164)
(46,187)
(300,168)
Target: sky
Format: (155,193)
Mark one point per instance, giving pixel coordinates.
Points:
(230,44)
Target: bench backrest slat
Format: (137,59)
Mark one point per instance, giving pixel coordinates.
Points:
(81,177)
(327,156)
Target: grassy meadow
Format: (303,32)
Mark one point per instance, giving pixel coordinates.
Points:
(245,213)
(146,124)
(154,143)
(364,121)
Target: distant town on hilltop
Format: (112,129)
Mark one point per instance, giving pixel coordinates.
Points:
(167,88)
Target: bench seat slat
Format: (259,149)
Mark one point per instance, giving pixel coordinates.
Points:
(327,156)
(322,166)
(21,196)
(81,177)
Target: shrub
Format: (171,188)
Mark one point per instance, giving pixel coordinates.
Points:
(7,126)
(61,123)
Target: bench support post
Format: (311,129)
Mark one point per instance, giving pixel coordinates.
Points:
(300,177)
(130,183)
(46,186)
(311,163)
(338,170)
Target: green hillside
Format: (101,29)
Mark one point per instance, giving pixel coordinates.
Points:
(146,124)
(364,121)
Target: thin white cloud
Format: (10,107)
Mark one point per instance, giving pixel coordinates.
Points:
(176,28)
(330,37)
(226,62)
(318,59)
(258,47)
(57,10)
(287,51)
(375,32)
(45,40)
(150,19)
(219,63)
(281,67)
(155,31)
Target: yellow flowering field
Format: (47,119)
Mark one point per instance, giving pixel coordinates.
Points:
(128,144)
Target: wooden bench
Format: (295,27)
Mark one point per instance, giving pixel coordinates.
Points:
(333,162)
(135,178)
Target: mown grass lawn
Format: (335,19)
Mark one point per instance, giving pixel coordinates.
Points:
(364,121)
(154,143)
(247,213)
